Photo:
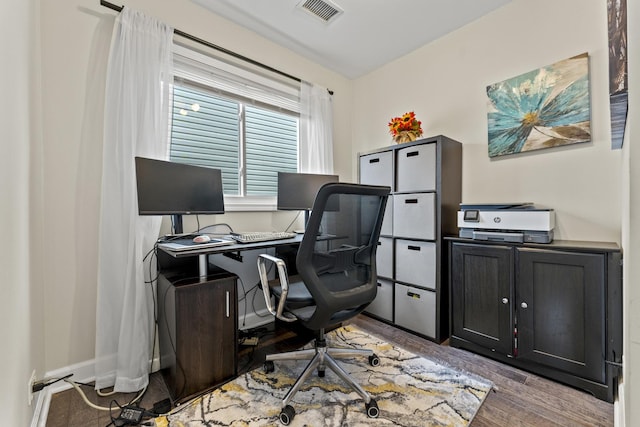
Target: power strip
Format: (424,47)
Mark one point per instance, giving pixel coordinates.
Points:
(249,341)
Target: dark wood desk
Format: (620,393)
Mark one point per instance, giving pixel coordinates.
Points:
(198,317)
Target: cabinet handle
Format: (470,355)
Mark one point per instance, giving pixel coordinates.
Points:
(374,160)
(379,243)
(379,284)
(524,305)
(505,300)
(227,302)
(413,248)
(413,295)
(413,201)
(413,153)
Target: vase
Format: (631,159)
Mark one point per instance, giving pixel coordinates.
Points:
(406,136)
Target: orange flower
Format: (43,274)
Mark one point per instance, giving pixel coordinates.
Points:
(406,122)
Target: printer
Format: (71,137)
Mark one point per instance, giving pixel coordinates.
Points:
(506,222)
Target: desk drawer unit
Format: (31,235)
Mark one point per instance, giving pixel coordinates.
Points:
(382,306)
(416,263)
(414,216)
(415,309)
(384,257)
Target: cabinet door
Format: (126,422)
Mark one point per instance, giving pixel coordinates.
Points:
(206,337)
(481,293)
(560,310)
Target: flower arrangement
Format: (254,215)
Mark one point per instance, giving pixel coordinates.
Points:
(405,128)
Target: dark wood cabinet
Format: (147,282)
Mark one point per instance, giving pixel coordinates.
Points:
(554,309)
(197,325)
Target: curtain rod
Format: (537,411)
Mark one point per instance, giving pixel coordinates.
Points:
(213,46)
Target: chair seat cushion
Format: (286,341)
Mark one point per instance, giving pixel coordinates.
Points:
(298,295)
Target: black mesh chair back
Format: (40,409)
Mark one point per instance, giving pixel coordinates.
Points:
(337,257)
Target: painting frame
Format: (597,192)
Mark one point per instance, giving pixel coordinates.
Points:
(543,108)
(618,69)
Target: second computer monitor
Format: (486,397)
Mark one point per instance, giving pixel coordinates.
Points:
(297,191)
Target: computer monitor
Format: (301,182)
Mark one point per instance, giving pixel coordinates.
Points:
(297,191)
(169,188)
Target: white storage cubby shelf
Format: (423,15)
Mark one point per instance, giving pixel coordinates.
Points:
(426,181)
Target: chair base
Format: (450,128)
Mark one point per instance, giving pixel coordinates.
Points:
(321,357)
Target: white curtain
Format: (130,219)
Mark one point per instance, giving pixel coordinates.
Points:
(135,124)
(316,129)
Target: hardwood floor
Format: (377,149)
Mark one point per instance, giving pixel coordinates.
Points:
(518,398)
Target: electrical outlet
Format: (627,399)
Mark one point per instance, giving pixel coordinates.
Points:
(32,380)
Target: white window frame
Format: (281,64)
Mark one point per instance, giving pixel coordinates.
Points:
(289,103)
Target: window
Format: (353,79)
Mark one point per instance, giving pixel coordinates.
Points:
(238,121)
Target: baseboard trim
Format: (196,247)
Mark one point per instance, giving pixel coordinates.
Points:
(618,407)
(83,372)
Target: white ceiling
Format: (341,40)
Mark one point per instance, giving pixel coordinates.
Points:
(367,35)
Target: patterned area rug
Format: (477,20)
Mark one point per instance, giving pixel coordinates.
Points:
(410,391)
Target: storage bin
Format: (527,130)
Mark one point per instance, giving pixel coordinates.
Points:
(414,216)
(382,306)
(416,166)
(416,263)
(415,309)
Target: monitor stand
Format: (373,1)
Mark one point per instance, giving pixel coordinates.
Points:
(176,219)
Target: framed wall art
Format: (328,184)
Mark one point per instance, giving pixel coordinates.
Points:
(544,108)
(618,84)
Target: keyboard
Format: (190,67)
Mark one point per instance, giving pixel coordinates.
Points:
(261,236)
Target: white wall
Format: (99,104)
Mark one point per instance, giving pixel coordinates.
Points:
(21,305)
(75,38)
(445,82)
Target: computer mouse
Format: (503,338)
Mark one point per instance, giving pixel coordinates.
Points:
(201,239)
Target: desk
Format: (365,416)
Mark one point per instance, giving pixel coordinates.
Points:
(198,314)
(228,250)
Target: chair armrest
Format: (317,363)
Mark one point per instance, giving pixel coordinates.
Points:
(284,284)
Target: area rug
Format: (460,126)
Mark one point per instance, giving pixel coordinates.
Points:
(410,391)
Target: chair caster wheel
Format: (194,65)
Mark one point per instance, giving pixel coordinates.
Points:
(321,373)
(372,409)
(268,367)
(374,360)
(287,414)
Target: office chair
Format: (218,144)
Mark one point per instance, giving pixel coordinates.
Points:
(336,264)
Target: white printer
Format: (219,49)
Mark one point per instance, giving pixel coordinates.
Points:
(506,222)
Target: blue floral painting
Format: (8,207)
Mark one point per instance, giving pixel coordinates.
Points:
(547,107)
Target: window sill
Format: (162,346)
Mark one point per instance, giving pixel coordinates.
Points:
(250,204)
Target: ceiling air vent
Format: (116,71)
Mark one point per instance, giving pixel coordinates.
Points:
(322,9)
